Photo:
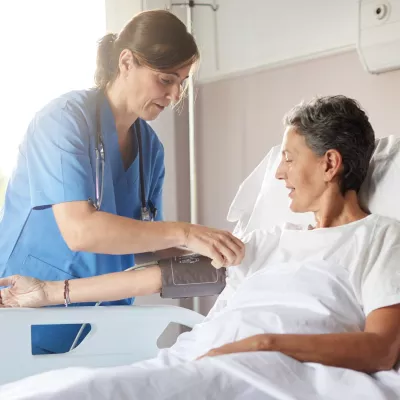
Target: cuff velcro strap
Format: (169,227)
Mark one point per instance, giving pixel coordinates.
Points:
(190,276)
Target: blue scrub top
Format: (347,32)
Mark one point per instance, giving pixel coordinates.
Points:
(56,164)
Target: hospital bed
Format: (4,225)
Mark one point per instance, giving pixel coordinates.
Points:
(137,328)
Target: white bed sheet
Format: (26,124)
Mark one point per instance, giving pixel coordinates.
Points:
(259,375)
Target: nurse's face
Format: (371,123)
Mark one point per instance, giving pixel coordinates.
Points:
(308,177)
(148,92)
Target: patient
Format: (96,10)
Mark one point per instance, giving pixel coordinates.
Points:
(304,300)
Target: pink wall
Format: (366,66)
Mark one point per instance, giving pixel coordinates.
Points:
(238,120)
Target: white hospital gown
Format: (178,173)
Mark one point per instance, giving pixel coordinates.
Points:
(293,280)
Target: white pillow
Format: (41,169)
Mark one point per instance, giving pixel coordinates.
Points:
(262,201)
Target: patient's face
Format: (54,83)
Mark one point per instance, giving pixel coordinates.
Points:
(302,171)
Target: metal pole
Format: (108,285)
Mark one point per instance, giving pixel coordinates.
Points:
(192,138)
(192,147)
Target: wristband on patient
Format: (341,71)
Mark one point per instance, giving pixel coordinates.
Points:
(190,276)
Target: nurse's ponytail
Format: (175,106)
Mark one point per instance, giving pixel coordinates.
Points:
(106,63)
(158,40)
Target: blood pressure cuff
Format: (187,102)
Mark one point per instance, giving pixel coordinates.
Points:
(190,276)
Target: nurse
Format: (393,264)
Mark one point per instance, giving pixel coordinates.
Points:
(57,223)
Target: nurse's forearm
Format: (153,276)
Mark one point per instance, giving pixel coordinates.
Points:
(112,234)
(108,287)
(85,229)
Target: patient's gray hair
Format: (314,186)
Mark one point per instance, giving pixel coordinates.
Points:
(337,123)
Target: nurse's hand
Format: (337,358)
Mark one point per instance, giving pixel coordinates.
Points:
(221,246)
(22,291)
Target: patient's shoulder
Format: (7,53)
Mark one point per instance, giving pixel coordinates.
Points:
(387,220)
(260,244)
(386,223)
(261,234)
(384,241)
(387,229)
(289,226)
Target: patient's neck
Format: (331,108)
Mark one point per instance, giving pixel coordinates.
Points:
(338,210)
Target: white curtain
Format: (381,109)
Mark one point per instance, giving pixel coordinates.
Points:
(47,47)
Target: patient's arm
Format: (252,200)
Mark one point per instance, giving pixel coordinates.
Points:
(375,349)
(30,292)
(142,258)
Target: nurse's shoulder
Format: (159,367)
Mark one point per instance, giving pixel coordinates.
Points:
(65,118)
(78,105)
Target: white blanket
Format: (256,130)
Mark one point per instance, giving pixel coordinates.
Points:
(292,281)
(267,376)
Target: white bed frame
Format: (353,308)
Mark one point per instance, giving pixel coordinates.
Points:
(119,335)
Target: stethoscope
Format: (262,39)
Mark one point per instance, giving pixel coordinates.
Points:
(148,213)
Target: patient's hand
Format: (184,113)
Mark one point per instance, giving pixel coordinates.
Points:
(22,292)
(252,343)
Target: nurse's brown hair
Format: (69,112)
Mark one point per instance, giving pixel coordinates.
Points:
(158,40)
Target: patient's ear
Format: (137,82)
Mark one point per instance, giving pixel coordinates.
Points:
(333,164)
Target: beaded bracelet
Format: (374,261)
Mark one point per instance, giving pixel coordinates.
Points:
(67,300)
